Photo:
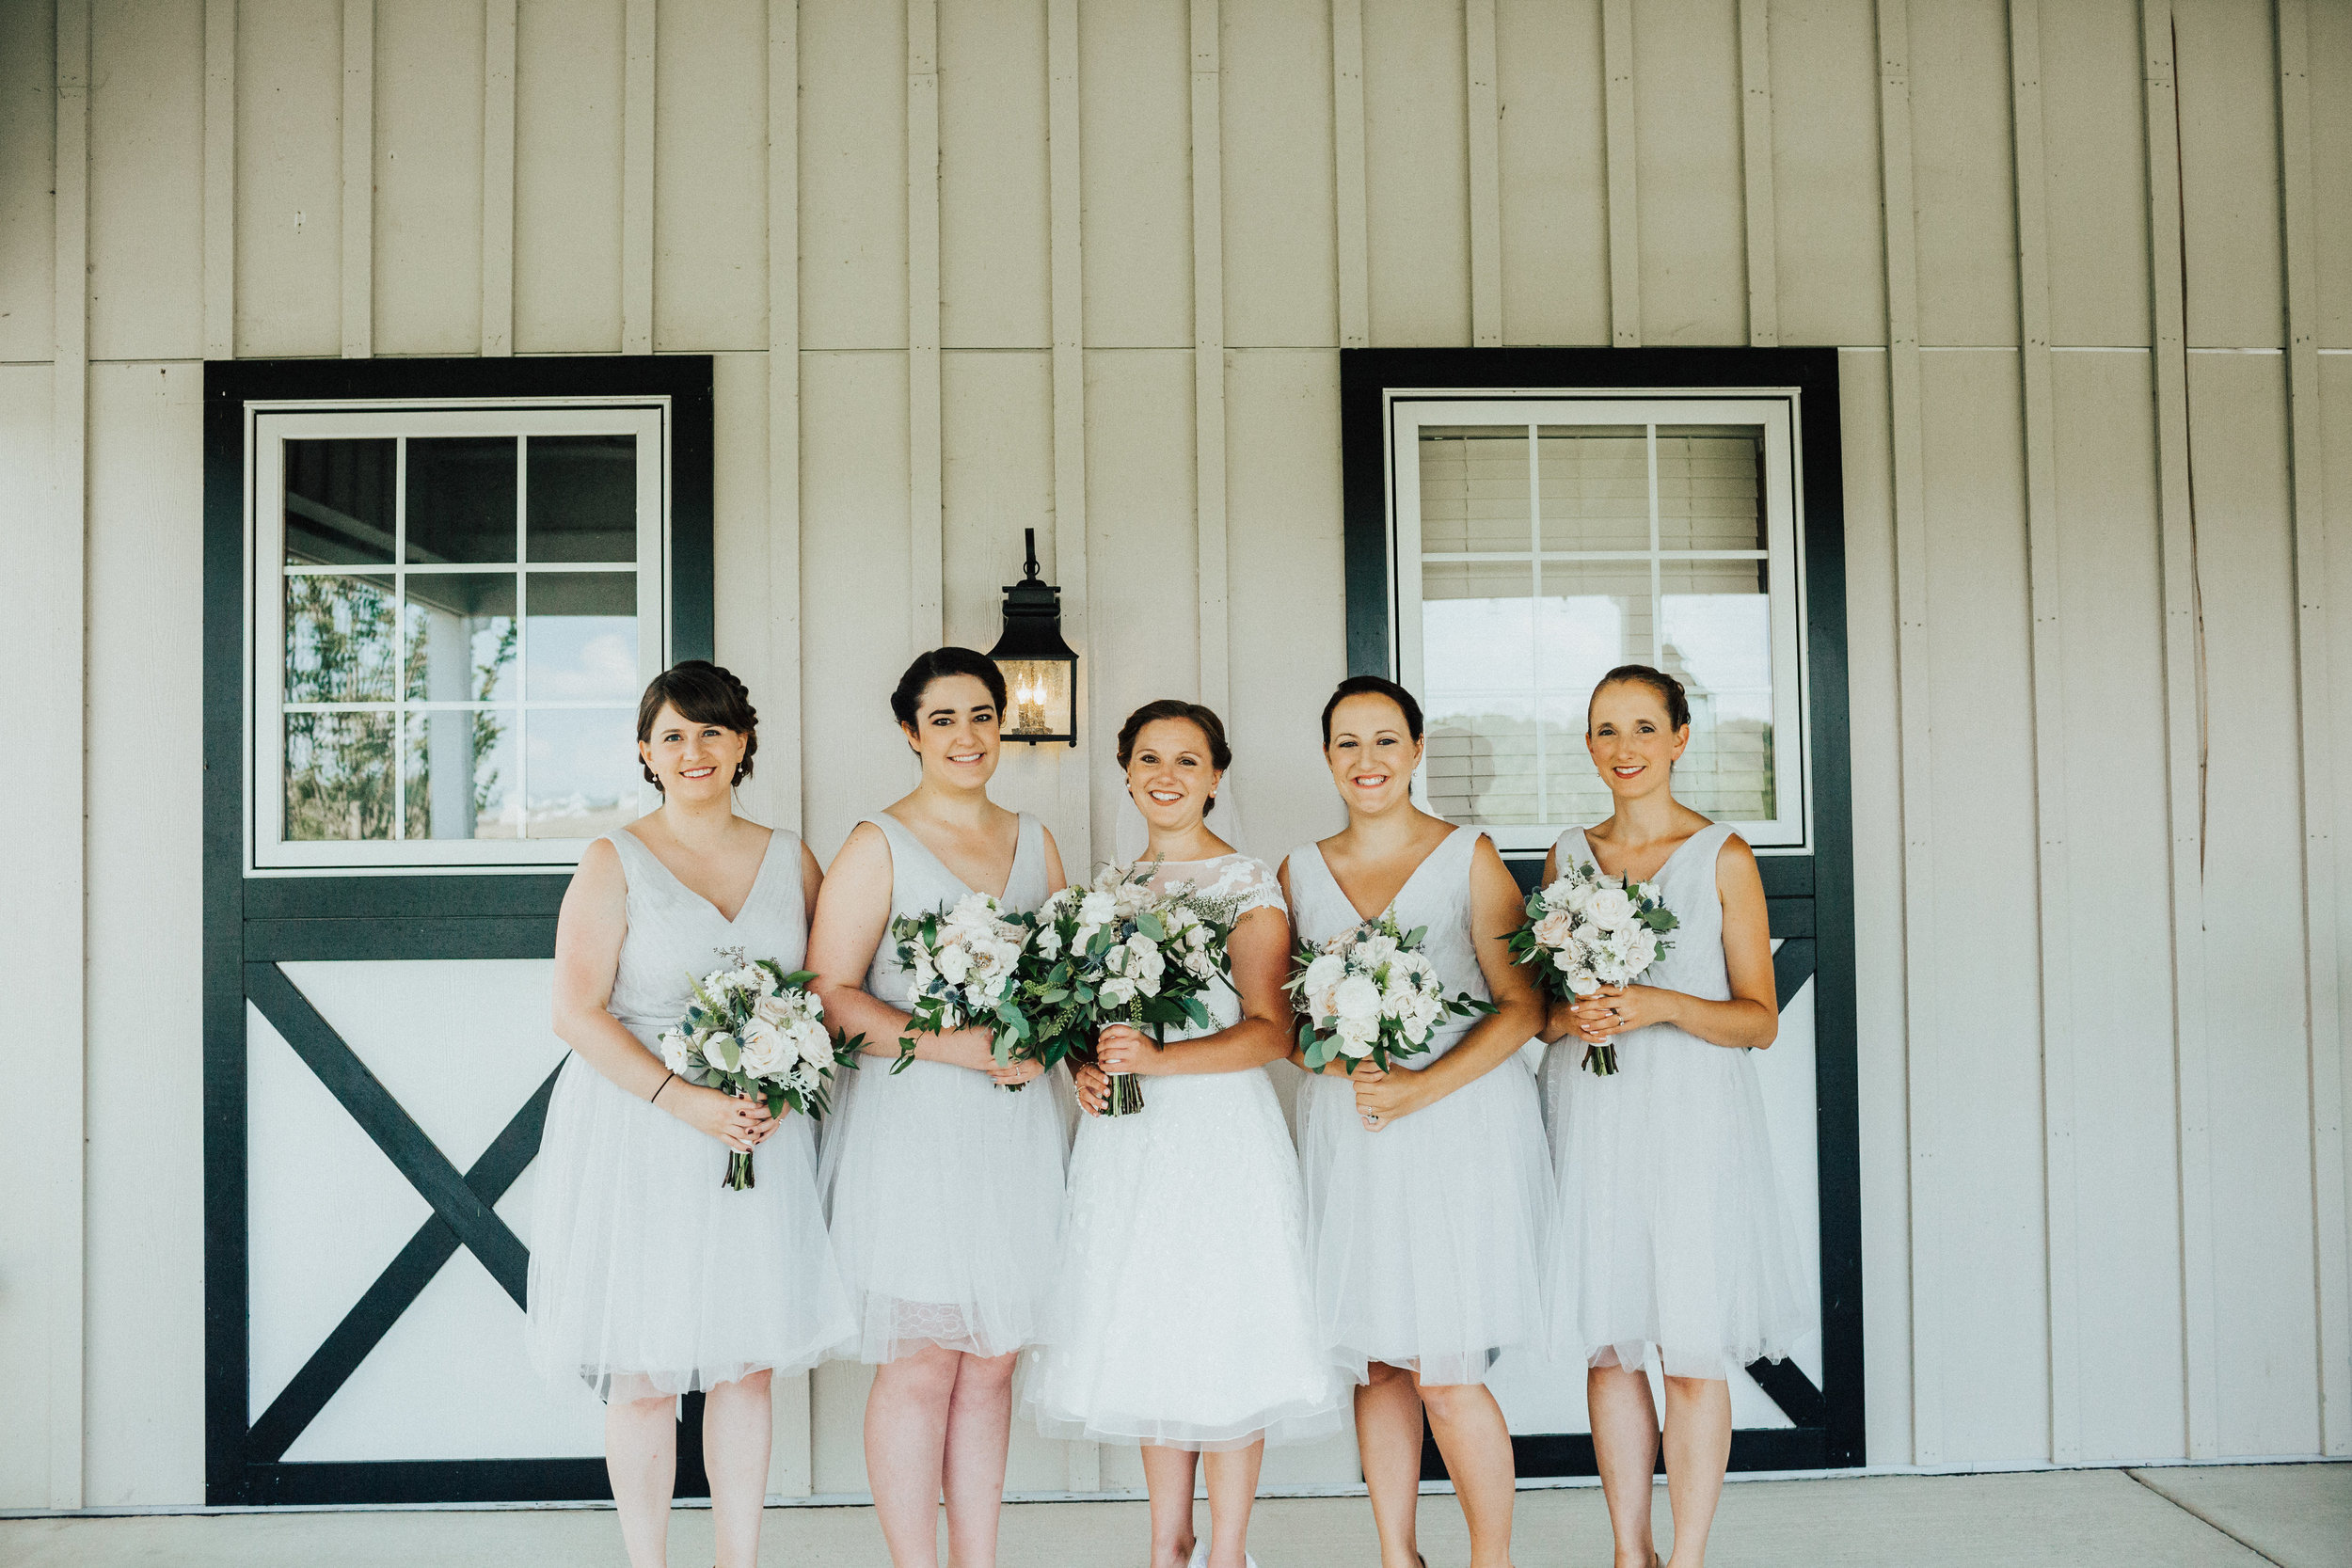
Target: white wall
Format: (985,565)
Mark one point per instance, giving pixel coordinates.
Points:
(2102,1069)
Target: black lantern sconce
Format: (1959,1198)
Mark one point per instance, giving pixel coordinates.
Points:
(1040,673)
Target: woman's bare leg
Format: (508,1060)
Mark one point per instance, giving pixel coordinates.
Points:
(1476,1443)
(1232,1487)
(1168,1474)
(1388,1438)
(906,1443)
(1625,1445)
(979,1428)
(641,1460)
(738,1426)
(1698,1448)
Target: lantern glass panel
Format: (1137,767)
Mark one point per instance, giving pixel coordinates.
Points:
(1037,699)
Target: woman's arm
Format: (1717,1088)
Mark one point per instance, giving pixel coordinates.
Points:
(1260,962)
(812,880)
(1055,881)
(588,935)
(1496,906)
(852,918)
(1751,1020)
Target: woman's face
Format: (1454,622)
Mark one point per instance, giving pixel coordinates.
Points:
(1170,774)
(695,759)
(1634,744)
(955,732)
(1372,753)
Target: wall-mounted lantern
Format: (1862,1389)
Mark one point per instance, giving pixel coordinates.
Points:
(1040,672)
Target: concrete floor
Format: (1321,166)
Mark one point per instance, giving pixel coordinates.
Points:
(2288,1515)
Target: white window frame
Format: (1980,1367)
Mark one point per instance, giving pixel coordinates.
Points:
(267,426)
(1774,410)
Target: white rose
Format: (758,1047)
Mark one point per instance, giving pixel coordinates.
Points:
(1397,999)
(1610,906)
(1146,954)
(1356,1036)
(955,963)
(1200,966)
(1643,949)
(1355,997)
(812,1043)
(766,1048)
(1323,974)
(678,1052)
(722,1050)
(1116,991)
(1048,942)
(1096,907)
(1555,931)
(1375,950)
(1583,982)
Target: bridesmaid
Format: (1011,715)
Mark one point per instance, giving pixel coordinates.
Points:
(945,1190)
(649,1278)
(1185,1318)
(1429,1189)
(1670,1240)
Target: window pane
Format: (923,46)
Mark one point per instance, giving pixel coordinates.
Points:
(1477,644)
(461,637)
(338,503)
(1593,487)
(461,775)
(583,498)
(584,771)
(1709,487)
(1592,617)
(1473,487)
(461,499)
(339,639)
(582,639)
(339,776)
(1716,619)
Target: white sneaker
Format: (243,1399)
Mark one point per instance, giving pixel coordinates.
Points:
(1200,1556)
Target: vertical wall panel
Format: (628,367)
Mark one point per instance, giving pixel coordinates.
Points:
(1694,223)
(1555,196)
(1968,195)
(1280,236)
(2095,152)
(853,175)
(2261,1197)
(2331,169)
(28,54)
(739,545)
(428,176)
(1827,186)
(1417,161)
(1992,1314)
(146,1324)
(994,274)
(2229,87)
(710,176)
(2127,1175)
(2335,403)
(1135,93)
(568,67)
(290,72)
(146,182)
(1867,445)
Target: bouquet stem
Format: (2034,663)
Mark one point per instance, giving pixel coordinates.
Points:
(1601,1060)
(1126,1096)
(739,1176)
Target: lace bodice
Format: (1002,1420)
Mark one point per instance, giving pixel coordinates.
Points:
(1436,896)
(675,933)
(921,882)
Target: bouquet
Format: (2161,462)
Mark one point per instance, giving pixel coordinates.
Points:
(756,1032)
(1372,991)
(962,962)
(1121,952)
(1584,931)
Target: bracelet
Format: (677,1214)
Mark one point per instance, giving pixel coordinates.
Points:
(657,1093)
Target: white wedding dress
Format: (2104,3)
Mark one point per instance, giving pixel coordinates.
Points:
(647,1274)
(1184,1312)
(1427,1235)
(1671,1234)
(945,1190)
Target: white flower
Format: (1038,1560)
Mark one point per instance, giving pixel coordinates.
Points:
(955,963)
(1583,982)
(1048,942)
(1200,966)
(1610,906)
(722,1050)
(812,1043)
(678,1052)
(1555,931)
(1356,1036)
(1356,998)
(766,1048)
(1375,950)
(1097,907)
(1116,991)
(1322,975)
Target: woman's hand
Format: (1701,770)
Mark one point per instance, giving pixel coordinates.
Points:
(1012,1074)
(1614,1010)
(1382,1097)
(736,1122)
(1094,1088)
(1123,1048)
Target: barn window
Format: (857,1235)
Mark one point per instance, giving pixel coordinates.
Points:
(455,610)
(1542,541)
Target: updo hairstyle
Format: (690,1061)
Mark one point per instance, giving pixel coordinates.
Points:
(1669,691)
(1204,719)
(1358,686)
(907,699)
(704,693)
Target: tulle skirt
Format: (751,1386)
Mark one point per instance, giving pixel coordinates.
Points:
(1185,1313)
(944,1194)
(1427,1235)
(650,1277)
(1671,1235)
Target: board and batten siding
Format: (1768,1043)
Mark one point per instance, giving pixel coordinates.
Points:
(970,266)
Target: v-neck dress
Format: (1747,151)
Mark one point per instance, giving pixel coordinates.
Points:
(1671,1235)
(648,1275)
(1427,1235)
(945,1190)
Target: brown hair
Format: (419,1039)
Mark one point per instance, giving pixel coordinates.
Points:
(1204,719)
(708,694)
(1669,691)
(906,700)
(1378,686)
